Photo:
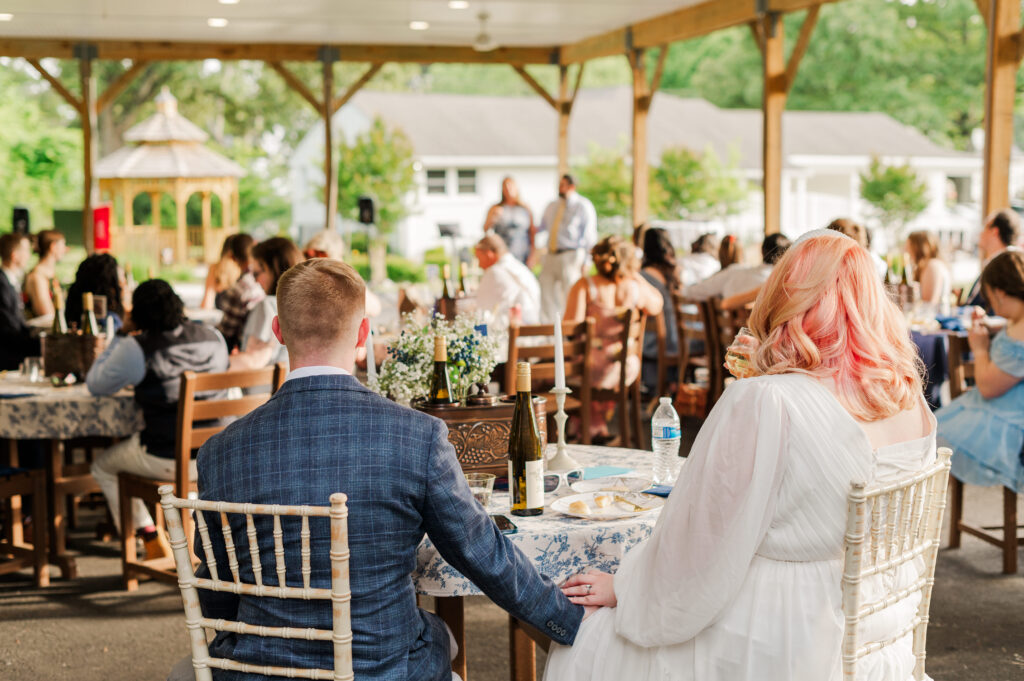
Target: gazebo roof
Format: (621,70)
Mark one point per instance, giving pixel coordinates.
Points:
(168,145)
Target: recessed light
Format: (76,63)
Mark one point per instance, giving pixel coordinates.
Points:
(216,22)
(228,2)
(6,17)
(458,4)
(419,25)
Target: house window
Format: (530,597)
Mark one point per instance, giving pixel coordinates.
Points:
(436,182)
(467,182)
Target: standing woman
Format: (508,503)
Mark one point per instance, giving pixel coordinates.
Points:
(51,247)
(512,221)
(258,345)
(930,271)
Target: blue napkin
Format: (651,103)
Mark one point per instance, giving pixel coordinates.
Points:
(950,323)
(592,472)
(659,490)
(11,396)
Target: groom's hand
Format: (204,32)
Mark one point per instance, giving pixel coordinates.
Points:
(594,588)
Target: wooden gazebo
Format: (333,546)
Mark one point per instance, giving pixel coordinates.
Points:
(165,155)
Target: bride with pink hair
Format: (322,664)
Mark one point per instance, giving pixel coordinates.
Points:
(740,580)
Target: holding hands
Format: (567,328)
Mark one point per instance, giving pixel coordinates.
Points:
(592,590)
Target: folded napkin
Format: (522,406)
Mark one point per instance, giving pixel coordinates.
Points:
(11,396)
(592,472)
(659,490)
(950,323)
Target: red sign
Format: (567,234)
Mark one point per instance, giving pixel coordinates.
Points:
(101,228)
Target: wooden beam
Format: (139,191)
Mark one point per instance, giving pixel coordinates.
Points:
(57,86)
(140,50)
(802,42)
(576,87)
(355,87)
(755,30)
(1000,91)
(537,87)
(659,70)
(604,45)
(118,86)
(984,9)
(641,107)
(564,111)
(90,151)
(327,112)
(773,104)
(294,83)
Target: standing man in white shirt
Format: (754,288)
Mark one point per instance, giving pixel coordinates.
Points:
(506,282)
(571,225)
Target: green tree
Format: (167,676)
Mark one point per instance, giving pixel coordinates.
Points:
(377,163)
(606,178)
(896,193)
(699,186)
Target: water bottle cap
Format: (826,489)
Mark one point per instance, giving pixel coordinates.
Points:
(665,400)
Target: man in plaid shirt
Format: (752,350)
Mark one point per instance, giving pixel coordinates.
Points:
(242,297)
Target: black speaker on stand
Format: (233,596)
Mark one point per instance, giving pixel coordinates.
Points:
(20,220)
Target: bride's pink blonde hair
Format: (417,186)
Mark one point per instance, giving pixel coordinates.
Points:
(823,312)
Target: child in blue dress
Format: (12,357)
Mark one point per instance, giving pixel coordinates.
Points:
(985,426)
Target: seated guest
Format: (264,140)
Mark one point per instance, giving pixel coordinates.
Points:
(730,252)
(862,236)
(506,282)
(616,287)
(221,276)
(742,279)
(930,272)
(701,263)
(329,244)
(162,346)
(660,271)
(99,275)
(323,432)
(1001,232)
(740,579)
(985,425)
(245,294)
(258,346)
(16,340)
(51,247)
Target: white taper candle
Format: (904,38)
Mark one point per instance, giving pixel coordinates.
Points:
(559,356)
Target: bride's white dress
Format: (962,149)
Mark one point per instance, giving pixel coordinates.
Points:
(740,580)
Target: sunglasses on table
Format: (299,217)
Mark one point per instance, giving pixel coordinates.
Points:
(552,481)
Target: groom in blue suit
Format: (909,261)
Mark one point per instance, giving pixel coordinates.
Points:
(323,432)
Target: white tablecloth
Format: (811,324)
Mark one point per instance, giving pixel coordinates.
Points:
(62,413)
(557,544)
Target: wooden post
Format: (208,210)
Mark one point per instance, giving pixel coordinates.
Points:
(154,208)
(564,110)
(328,56)
(773,104)
(641,107)
(1000,91)
(85,53)
(180,202)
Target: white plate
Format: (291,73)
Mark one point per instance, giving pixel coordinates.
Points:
(614,511)
(633,481)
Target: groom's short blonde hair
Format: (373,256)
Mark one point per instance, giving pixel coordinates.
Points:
(320,302)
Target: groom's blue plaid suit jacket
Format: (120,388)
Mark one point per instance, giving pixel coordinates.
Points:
(324,434)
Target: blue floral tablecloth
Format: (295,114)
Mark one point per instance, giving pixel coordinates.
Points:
(558,545)
(30,411)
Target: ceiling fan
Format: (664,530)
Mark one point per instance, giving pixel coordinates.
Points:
(483,41)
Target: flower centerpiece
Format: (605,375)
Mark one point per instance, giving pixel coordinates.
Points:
(472,355)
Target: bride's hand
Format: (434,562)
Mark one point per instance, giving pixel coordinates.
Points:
(592,588)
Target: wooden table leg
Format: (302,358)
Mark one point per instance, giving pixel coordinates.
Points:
(14,532)
(58,521)
(450,609)
(522,653)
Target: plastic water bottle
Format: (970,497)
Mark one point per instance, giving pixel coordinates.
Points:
(665,436)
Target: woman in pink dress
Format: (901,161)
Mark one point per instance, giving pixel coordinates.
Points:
(615,288)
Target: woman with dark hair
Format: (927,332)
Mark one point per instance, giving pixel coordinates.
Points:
(160,347)
(51,247)
(258,347)
(660,271)
(99,275)
(512,221)
(930,271)
(616,287)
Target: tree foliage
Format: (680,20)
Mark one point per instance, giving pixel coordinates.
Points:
(699,186)
(377,163)
(895,192)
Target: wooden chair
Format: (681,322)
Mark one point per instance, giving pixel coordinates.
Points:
(626,394)
(192,411)
(889,525)
(960,370)
(692,326)
(725,324)
(339,594)
(577,348)
(666,361)
(14,485)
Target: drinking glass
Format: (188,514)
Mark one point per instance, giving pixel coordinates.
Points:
(481,485)
(99,307)
(737,356)
(33,369)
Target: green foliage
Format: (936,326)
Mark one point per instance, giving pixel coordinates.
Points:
(377,163)
(607,181)
(896,193)
(698,186)
(399,269)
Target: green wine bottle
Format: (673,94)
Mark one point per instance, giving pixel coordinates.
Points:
(89,325)
(60,323)
(525,451)
(440,385)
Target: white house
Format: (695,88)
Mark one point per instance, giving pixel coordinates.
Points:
(465,144)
